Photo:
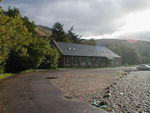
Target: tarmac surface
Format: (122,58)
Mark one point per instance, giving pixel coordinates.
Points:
(34,93)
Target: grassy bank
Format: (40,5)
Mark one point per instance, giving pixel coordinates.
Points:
(35,70)
(7,75)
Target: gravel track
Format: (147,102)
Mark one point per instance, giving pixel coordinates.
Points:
(81,84)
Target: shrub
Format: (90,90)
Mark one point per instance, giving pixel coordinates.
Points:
(51,60)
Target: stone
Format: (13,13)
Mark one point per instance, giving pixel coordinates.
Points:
(108,91)
(107,95)
(103,103)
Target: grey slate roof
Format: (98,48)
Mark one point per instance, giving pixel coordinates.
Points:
(72,49)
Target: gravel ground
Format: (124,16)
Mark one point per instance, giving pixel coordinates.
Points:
(129,94)
(82,84)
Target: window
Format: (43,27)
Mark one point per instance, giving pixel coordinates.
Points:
(67,60)
(73,49)
(97,60)
(103,61)
(92,50)
(93,59)
(75,60)
(89,60)
(83,60)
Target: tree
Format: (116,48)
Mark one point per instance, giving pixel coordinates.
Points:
(30,25)
(38,49)
(89,42)
(134,56)
(51,60)
(20,47)
(15,38)
(58,33)
(12,12)
(73,37)
(130,55)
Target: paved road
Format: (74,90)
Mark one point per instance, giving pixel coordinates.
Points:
(33,93)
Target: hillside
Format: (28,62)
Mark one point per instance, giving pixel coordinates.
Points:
(115,42)
(132,52)
(43,30)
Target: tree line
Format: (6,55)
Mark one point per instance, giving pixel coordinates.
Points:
(131,53)
(59,34)
(21,47)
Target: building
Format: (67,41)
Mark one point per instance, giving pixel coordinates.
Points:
(87,56)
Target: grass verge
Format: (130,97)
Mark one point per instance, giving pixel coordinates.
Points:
(5,75)
(35,70)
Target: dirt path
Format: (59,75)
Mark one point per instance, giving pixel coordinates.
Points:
(34,93)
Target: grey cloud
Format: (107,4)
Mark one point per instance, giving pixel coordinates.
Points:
(134,5)
(95,17)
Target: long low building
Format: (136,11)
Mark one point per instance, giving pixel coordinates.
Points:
(87,56)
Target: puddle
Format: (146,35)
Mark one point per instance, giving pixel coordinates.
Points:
(50,77)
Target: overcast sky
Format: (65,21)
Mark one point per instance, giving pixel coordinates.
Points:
(125,19)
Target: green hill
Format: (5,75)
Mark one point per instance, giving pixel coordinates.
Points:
(132,52)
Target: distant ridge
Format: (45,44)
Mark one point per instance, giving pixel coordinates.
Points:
(43,30)
(117,42)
